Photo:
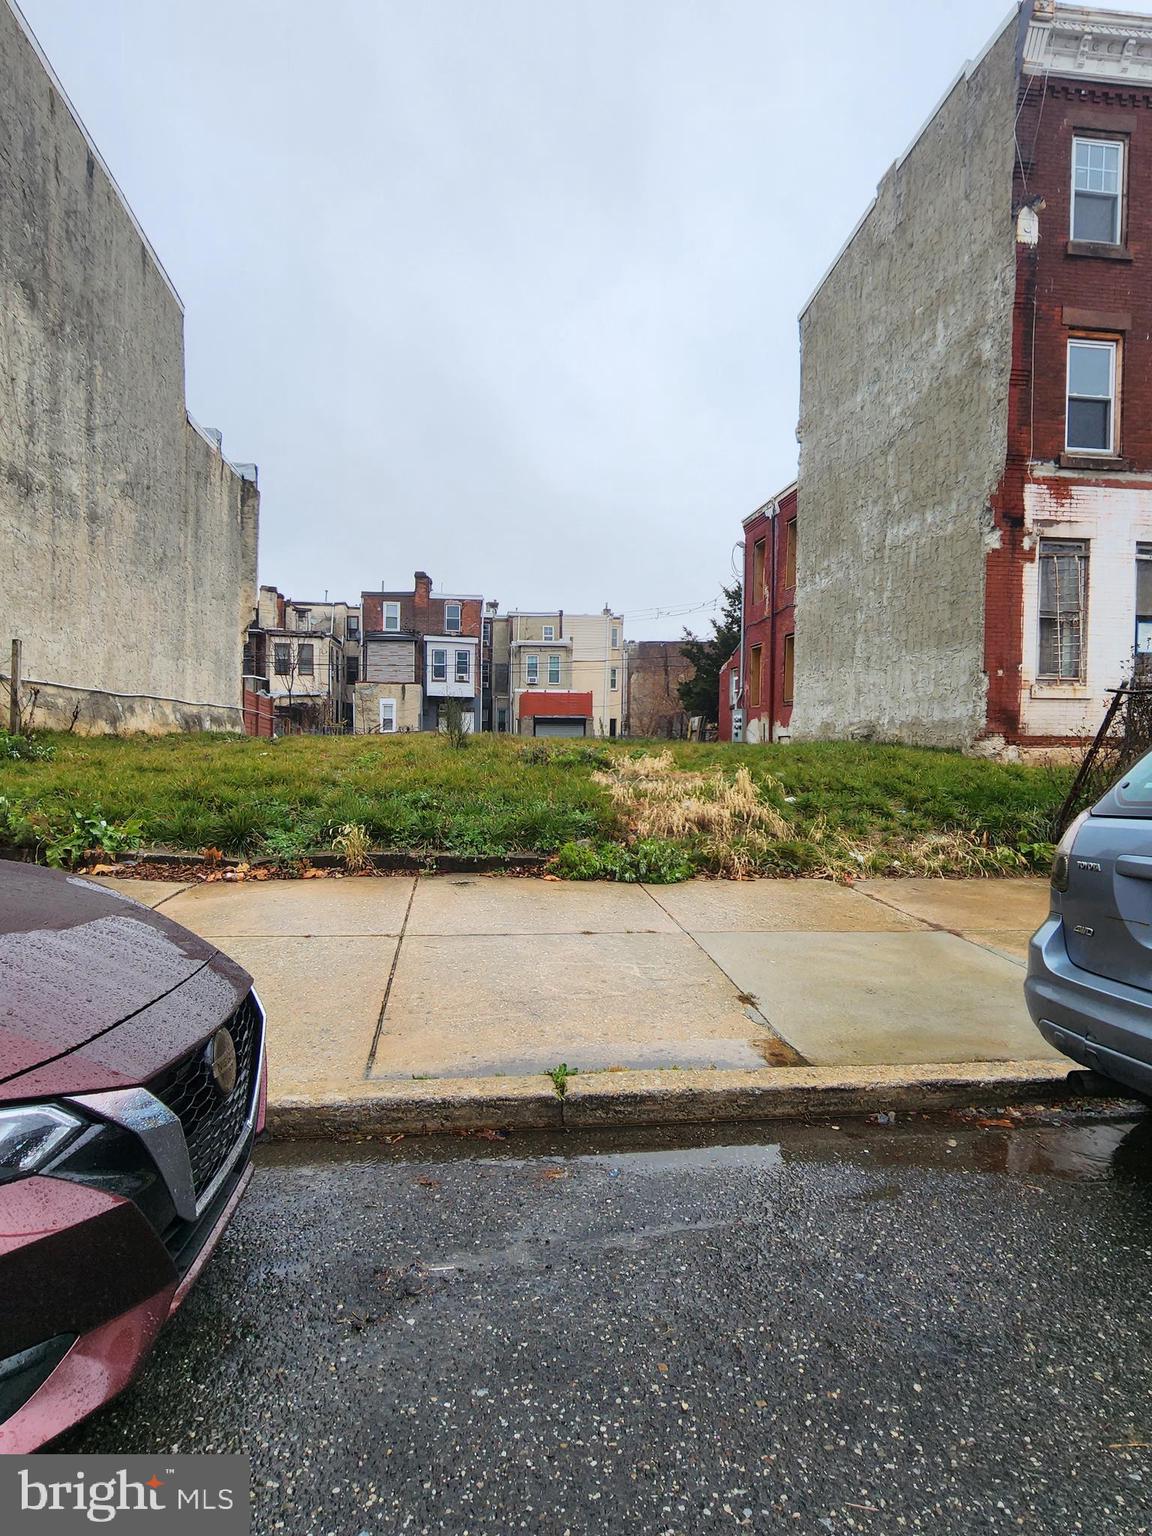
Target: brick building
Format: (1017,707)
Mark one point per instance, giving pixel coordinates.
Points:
(757,682)
(305,656)
(976,407)
(418,650)
(653,672)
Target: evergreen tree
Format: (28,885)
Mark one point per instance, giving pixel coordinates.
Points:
(700,695)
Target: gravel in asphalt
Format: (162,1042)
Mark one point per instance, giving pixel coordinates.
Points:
(933,1326)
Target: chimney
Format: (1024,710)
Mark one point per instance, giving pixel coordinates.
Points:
(423,592)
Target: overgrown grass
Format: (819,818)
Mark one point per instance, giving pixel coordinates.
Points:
(827,808)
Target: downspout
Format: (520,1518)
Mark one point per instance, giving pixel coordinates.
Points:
(772,628)
(743,548)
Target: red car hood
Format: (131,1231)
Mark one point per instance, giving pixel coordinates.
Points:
(76,959)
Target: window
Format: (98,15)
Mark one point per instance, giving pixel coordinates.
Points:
(439,665)
(1097,189)
(487,631)
(757,571)
(352,627)
(304,660)
(283,660)
(549,631)
(501,719)
(1144,599)
(352,669)
(1063,598)
(733,687)
(790,553)
(303,618)
(613,679)
(387,715)
(553,670)
(1091,395)
(463,666)
(612,726)
(451,618)
(753,677)
(615,637)
(789,668)
(532,670)
(391,615)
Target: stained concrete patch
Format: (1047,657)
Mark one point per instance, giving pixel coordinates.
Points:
(1012,943)
(486,1005)
(777,906)
(150,893)
(859,999)
(323,998)
(294,908)
(460,905)
(986,905)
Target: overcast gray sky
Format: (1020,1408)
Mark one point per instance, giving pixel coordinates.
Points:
(504,290)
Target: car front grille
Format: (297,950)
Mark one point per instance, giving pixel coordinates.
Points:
(213,1125)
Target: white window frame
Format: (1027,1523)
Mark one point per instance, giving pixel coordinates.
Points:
(1119,144)
(615,637)
(549,631)
(613,679)
(532,671)
(391,612)
(387,716)
(466,653)
(438,658)
(554,671)
(733,688)
(451,628)
(1112,348)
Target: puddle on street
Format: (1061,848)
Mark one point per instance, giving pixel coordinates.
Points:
(1085,1145)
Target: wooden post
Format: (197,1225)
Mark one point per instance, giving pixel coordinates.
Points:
(14,691)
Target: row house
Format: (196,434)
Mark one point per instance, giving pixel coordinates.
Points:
(557,674)
(757,683)
(976,408)
(306,655)
(419,651)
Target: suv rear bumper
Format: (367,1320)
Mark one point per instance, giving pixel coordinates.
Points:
(1100,1024)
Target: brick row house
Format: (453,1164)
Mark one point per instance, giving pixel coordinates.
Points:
(976,408)
(419,650)
(757,682)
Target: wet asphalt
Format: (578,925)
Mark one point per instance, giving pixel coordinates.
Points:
(931,1326)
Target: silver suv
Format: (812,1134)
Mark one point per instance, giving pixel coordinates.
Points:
(1089,986)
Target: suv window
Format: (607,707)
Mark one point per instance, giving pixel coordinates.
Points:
(1131,795)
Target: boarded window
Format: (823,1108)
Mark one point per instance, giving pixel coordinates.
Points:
(789,667)
(1063,608)
(790,554)
(758,571)
(754,678)
(305,663)
(283,660)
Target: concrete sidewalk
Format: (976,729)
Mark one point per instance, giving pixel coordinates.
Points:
(374,986)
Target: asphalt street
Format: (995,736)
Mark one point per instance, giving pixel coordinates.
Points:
(938,1326)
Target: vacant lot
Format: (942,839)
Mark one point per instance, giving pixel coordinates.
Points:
(625,811)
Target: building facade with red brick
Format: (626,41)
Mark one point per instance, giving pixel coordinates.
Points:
(757,684)
(420,649)
(976,407)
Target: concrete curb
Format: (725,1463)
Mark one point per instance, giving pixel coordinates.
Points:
(605,1099)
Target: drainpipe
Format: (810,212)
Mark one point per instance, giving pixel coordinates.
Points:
(743,548)
(771,606)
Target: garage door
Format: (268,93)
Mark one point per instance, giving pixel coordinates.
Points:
(559,727)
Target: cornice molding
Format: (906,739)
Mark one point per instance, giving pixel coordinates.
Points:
(1077,42)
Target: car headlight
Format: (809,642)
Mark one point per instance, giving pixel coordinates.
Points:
(30,1134)
(1061,863)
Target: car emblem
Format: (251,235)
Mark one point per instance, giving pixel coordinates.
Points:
(220,1059)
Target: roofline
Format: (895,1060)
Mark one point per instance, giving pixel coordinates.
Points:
(963,74)
(773,502)
(45,63)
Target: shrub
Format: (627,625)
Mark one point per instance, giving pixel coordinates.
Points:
(650,860)
(27,749)
(86,834)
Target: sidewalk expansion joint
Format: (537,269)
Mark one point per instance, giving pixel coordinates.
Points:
(379,1030)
